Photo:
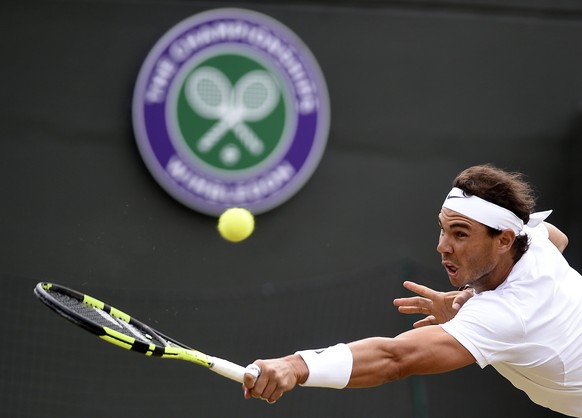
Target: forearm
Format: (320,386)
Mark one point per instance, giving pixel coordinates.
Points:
(379,360)
(426,350)
(376,361)
(364,363)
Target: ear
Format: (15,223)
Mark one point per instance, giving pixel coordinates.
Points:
(505,240)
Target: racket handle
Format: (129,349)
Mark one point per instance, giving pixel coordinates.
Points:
(231,370)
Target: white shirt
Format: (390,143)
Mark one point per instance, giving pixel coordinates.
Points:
(530,327)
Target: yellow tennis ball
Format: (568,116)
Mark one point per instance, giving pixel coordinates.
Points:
(236,224)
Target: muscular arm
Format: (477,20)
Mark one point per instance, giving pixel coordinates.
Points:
(426,350)
(376,361)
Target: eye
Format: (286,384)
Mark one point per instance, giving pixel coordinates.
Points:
(460,234)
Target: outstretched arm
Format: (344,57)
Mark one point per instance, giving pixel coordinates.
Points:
(372,362)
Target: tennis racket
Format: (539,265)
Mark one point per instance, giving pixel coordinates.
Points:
(117,327)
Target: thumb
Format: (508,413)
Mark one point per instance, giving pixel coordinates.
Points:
(462,298)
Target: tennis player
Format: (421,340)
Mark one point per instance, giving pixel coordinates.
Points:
(524,318)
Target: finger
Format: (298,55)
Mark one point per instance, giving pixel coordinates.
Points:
(275,396)
(461,298)
(250,377)
(258,388)
(412,301)
(413,310)
(247,393)
(269,393)
(429,320)
(257,391)
(252,372)
(419,289)
(416,301)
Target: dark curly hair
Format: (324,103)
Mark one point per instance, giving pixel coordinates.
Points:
(506,189)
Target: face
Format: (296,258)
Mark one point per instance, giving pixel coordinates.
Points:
(469,254)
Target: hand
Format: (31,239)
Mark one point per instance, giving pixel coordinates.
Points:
(439,307)
(277,376)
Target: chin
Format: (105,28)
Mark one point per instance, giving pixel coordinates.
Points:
(457,282)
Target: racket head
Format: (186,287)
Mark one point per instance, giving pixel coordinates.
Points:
(119,328)
(105,321)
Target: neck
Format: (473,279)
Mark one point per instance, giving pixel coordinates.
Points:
(495,277)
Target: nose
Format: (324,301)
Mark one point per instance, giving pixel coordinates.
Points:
(443,247)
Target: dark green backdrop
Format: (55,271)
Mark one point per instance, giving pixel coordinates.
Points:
(419,90)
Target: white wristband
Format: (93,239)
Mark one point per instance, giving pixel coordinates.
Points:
(328,368)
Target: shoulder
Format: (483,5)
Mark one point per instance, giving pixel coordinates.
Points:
(489,323)
(539,232)
(497,310)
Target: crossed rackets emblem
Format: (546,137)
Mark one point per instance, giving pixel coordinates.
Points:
(252,98)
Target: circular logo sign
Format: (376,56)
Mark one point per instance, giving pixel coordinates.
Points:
(231,109)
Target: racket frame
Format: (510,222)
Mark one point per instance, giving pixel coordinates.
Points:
(160,346)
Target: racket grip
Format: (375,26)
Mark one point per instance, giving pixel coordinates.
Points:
(231,370)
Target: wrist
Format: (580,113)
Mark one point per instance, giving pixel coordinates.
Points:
(299,368)
(330,367)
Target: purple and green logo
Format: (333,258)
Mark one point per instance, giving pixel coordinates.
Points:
(231,109)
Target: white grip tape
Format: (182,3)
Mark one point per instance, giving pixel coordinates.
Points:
(328,368)
(231,370)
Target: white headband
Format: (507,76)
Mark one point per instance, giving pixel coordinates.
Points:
(489,213)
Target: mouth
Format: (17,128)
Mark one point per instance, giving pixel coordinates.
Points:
(450,268)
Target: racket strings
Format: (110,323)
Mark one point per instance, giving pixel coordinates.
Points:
(104,319)
(75,305)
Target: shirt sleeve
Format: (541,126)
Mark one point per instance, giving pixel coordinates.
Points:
(540,231)
(486,327)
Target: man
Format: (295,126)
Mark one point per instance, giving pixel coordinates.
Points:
(525,318)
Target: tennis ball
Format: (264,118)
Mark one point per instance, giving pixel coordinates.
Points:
(236,224)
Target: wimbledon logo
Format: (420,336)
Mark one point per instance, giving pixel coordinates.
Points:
(231,109)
